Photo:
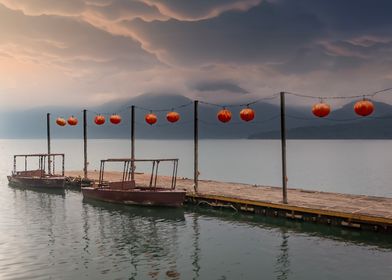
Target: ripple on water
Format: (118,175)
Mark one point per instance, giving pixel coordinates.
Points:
(51,236)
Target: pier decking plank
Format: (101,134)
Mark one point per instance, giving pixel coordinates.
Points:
(367,209)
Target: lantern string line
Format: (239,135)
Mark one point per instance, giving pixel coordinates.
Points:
(273,96)
(107,113)
(338,120)
(163,109)
(371,94)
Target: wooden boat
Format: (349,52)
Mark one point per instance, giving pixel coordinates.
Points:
(43,177)
(127,191)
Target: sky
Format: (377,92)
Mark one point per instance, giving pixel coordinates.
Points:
(89,52)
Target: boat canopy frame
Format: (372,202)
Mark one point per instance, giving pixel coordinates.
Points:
(129,170)
(46,162)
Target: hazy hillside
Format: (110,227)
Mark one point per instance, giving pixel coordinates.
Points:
(341,124)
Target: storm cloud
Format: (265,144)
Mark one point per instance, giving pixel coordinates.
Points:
(98,50)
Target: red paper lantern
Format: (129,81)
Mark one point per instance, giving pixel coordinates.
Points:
(224,115)
(247,114)
(151,118)
(172,117)
(364,107)
(115,119)
(99,120)
(321,109)
(61,122)
(72,121)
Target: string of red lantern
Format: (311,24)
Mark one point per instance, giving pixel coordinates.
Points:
(362,108)
(171,117)
(98,120)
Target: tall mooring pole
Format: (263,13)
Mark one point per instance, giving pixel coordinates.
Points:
(283,140)
(48,136)
(196,146)
(133,142)
(85,143)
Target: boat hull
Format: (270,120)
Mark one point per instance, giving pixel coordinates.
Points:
(137,196)
(30,182)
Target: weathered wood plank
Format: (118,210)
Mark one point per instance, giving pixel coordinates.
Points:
(359,207)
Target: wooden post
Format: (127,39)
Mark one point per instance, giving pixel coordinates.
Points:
(133,142)
(48,136)
(85,175)
(283,140)
(196,146)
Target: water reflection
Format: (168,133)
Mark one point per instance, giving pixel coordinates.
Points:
(282,267)
(159,214)
(54,235)
(350,236)
(48,191)
(196,246)
(137,235)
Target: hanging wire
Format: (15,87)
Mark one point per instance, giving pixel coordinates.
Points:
(372,94)
(164,109)
(339,120)
(273,96)
(107,114)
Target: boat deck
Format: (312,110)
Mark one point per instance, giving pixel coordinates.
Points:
(356,211)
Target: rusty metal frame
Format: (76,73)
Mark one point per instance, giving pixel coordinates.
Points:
(129,170)
(42,159)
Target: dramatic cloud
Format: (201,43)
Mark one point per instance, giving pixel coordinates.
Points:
(39,7)
(200,9)
(98,50)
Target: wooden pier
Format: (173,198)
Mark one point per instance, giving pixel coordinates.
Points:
(346,210)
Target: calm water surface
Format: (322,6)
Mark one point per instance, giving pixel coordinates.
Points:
(58,236)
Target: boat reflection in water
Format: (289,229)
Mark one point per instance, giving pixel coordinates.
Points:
(156,213)
(143,239)
(39,190)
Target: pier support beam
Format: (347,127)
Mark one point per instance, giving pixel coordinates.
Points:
(196,146)
(85,143)
(283,140)
(48,138)
(132,142)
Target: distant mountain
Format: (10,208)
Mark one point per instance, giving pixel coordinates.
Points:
(365,129)
(342,123)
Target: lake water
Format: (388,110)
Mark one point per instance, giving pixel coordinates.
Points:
(58,236)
